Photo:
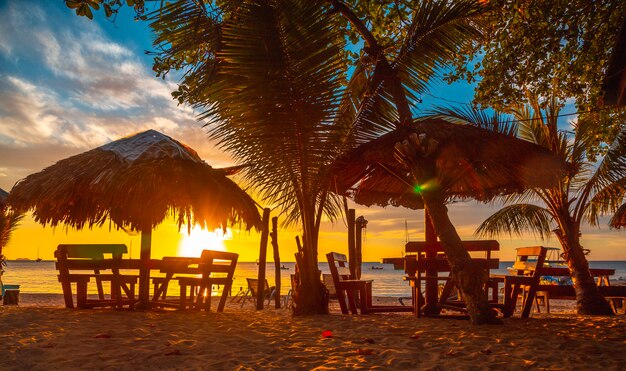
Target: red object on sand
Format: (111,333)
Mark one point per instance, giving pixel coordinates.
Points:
(102,336)
(327,334)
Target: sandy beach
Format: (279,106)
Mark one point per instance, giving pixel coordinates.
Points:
(40,334)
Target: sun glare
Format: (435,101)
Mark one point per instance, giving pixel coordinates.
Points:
(200,239)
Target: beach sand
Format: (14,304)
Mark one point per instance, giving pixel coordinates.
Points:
(40,334)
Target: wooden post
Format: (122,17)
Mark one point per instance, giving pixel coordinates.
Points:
(351,243)
(274,236)
(260,293)
(361,223)
(431,290)
(144,270)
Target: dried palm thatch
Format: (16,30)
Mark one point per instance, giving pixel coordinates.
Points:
(469,163)
(3,198)
(137,182)
(619,218)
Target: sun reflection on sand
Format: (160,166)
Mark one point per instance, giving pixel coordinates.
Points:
(200,239)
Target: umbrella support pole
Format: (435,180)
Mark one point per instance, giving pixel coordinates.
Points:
(144,270)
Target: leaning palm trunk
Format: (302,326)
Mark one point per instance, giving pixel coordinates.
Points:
(468,277)
(589,300)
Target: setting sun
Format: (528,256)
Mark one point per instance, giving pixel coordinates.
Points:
(200,239)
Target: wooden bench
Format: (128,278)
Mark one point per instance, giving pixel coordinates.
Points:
(527,265)
(212,268)
(348,289)
(529,268)
(425,262)
(91,257)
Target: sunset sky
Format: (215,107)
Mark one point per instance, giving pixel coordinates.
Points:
(68,85)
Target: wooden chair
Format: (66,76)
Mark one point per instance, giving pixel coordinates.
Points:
(348,289)
(528,266)
(217,268)
(73,258)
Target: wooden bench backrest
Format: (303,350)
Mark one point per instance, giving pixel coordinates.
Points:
(87,256)
(338,265)
(529,260)
(180,265)
(212,261)
(417,260)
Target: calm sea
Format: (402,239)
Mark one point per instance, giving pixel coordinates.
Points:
(41,277)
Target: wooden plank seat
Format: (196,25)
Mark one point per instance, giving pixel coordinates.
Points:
(425,263)
(348,289)
(212,268)
(72,258)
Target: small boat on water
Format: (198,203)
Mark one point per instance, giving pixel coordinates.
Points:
(375,268)
(284,268)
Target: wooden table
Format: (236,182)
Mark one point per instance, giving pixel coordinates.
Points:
(426,262)
(171,265)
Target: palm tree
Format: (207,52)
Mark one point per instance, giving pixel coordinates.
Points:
(9,220)
(270,79)
(585,192)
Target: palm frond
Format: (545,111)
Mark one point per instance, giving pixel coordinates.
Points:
(484,119)
(611,171)
(517,219)
(439,30)
(9,221)
(277,87)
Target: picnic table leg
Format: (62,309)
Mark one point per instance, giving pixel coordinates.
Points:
(227,288)
(67,294)
(341,296)
(509,301)
(208,297)
(352,301)
(528,303)
(365,297)
(81,294)
(183,296)
(99,285)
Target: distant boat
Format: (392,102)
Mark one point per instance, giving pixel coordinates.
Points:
(38,258)
(377,267)
(283,267)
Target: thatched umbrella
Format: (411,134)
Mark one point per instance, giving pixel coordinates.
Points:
(136,182)
(3,197)
(433,162)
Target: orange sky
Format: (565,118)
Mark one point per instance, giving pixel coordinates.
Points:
(385,236)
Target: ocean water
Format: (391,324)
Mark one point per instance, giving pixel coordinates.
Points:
(41,277)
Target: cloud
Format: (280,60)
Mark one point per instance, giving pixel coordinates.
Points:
(67,86)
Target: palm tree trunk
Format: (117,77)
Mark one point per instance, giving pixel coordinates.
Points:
(589,300)
(310,296)
(468,277)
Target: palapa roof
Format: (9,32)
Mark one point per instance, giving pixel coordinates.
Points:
(136,181)
(3,197)
(470,163)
